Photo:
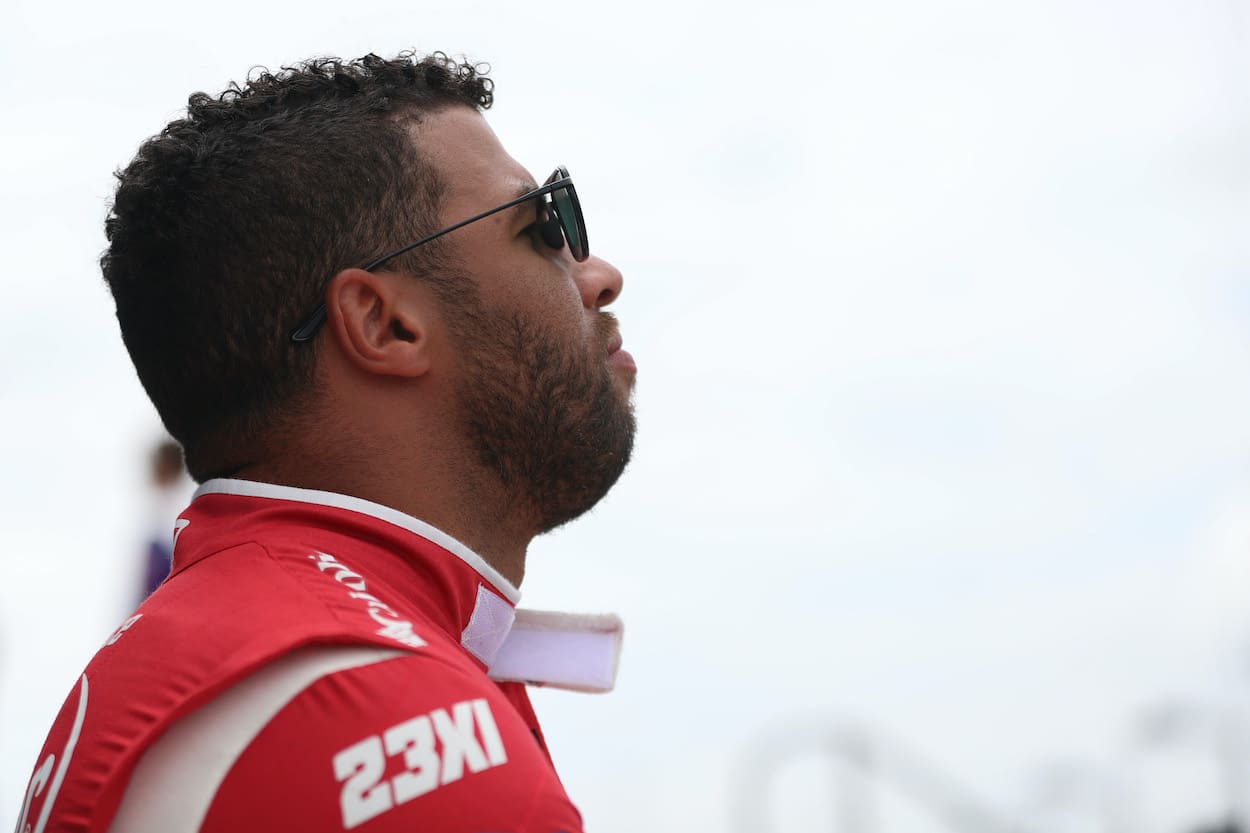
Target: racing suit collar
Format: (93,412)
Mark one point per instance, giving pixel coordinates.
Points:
(470,599)
(475,600)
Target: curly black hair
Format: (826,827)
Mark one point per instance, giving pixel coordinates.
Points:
(227,225)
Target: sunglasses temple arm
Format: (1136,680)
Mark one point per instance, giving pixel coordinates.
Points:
(537,192)
(309,328)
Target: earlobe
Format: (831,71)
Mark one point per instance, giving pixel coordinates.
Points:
(378,323)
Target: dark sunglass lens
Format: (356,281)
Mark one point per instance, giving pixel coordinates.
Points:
(551,228)
(570,213)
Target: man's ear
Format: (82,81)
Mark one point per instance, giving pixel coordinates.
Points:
(380,322)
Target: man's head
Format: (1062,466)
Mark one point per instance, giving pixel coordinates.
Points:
(235,222)
(227,225)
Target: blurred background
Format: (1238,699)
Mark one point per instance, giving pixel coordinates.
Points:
(939,518)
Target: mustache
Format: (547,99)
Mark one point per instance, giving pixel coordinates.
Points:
(607,327)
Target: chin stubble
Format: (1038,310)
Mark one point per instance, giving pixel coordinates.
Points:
(545,417)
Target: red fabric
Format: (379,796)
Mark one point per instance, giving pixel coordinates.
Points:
(254,578)
(289,778)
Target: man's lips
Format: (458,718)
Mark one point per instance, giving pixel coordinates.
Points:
(618,357)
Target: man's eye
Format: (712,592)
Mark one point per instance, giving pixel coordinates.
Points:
(545,230)
(541,218)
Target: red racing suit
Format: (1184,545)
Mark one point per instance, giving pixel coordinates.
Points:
(314,662)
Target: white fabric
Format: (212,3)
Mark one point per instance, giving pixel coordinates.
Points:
(176,779)
(488,625)
(251,488)
(579,652)
(41,774)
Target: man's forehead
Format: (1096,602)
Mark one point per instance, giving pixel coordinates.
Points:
(469,156)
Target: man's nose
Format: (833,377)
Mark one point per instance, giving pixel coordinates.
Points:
(598,281)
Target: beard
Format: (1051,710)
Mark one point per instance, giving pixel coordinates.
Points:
(544,414)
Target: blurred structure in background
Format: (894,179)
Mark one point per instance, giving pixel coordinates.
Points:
(1210,739)
(166,497)
(862,758)
(871,774)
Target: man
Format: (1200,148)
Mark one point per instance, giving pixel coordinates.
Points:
(383,349)
(165,497)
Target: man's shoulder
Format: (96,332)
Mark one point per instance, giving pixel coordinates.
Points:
(251,612)
(269,588)
(329,738)
(228,616)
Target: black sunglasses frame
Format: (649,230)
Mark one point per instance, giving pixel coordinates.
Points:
(572,227)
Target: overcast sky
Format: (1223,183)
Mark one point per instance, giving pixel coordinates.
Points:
(942,315)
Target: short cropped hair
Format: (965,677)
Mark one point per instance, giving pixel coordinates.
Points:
(227,226)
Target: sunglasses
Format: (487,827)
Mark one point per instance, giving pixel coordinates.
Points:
(564,224)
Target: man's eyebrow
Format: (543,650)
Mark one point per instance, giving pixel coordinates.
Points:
(520,191)
(524,188)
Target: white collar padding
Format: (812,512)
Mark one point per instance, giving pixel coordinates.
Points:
(574,651)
